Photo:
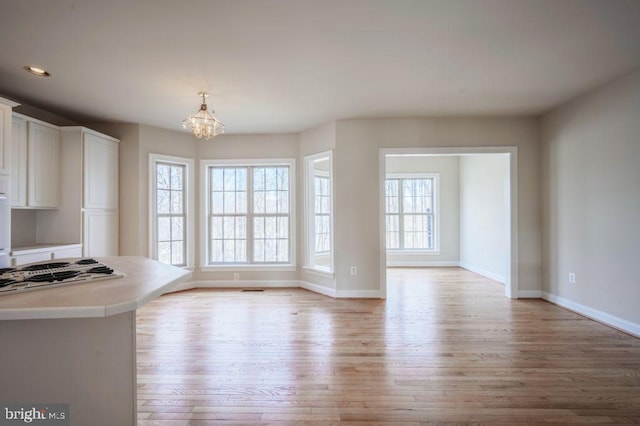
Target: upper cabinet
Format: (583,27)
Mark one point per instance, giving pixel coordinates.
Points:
(5,137)
(101,172)
(43,169)
(18,167)
(35,166)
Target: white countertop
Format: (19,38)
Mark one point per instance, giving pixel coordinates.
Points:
(144,280)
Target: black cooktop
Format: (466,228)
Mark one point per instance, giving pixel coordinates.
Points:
(48,274)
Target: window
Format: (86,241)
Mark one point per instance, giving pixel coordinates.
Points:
(171,228)
(248,213)
(318,220)
(410,212)
(322,214)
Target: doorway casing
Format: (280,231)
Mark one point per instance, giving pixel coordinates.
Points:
(511,204)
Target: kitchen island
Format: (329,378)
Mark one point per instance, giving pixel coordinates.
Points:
(76,344)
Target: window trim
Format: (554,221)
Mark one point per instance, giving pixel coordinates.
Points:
(309,214)
(436,212)
(189,207)
(204,213)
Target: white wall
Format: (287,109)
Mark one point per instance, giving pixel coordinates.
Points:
(357,187)
(591,176)
(448,167)
(484,239)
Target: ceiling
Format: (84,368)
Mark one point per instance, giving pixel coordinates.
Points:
(288,65)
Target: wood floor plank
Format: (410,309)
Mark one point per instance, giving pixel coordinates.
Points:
(446,347)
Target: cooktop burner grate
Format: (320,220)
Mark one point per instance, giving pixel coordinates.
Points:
(53,274)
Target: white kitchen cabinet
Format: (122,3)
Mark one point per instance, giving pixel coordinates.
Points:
(43,165)
(44,252)
(88,210)
(100,233)
(18,167)
(5,138)
(35,164)
(101,172)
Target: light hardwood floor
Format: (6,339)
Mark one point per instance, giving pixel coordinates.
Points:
(445,347)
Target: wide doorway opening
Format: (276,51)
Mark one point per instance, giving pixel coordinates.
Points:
(450,207)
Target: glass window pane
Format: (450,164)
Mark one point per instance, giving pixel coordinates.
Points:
(271,179)
(164,229)
(283,202)
(282,250)
(216,227)
(258,250)
(176,177)
(216,251)
(241,179)
(241,227)
(229,250)
(217,179)
(228,227)
(241,202)
(270,202)
(258,202)
(241,251)
(282,227)
(162,176)
(177,202)
(258,179)
(270,227)
(217,202)
(177,253)
(163,201)
(229,202)
(270,251)
(164,252)
(258,227)
(177,230)
(229,179)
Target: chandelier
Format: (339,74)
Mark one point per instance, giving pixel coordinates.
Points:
(203,124)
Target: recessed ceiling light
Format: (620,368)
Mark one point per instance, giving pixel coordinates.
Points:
(37,71)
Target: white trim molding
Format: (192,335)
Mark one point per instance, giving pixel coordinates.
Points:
(316,288)
(529,294)
(488,274)
(594,314)
(511,196)
(422,263)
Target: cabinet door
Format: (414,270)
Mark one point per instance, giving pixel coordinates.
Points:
(44,166)
(100,173)
(29,258)
(18,163)
(100,234)
(5,138)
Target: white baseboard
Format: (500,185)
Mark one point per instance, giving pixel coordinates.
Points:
(359,294)
(421,263)
(529,294)
(484,272)
(327,291)
(595,314)
(239,284)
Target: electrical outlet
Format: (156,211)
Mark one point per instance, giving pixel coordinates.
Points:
(572,278)
(354,270)
(236,276)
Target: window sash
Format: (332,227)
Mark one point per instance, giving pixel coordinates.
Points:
(264,237)
(170,214)
(410,213)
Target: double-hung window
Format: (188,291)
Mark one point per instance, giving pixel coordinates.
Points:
(171,207)
(248,210)
(411,212)
(322,214)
